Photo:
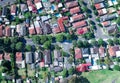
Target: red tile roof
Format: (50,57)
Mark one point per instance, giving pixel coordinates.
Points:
(38,30)
(78,53)
(79,24)
(83,67)
(101,51)
(56,30)
(81,31)
(71,4)
(106,23)
(32,31)
(19,56)
(60,23)
(42,64)
(74,10)
(78,17)
(118,12)
(112,50)
(7,31)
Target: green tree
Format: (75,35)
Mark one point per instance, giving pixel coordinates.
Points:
(64,73)
(94,42)
(27,15)
(60,37)
(116,41)
(47,45)
(101,42)
(95,12)
(80,43)
(93,7)
(71,71)
(86,44)
(28,48)
(69,37)
(118,20)
(74,43)
(36,39)
(43,39)
(7,41)
(19,46)
(117,67)
(85,9)
(110,41)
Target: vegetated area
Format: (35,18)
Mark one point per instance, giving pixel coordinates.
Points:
(102,76)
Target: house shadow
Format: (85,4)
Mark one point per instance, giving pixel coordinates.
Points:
(83,80)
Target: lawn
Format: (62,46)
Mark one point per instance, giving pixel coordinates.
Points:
(102,76)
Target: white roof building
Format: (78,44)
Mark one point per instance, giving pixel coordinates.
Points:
(38,5)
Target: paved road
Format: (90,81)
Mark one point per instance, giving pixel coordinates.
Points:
(5,2)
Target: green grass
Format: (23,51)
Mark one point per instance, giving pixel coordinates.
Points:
(102,76)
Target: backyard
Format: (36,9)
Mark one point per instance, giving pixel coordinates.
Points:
(102,76)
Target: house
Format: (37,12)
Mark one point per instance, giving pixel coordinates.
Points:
(99,5)
(1,58)
(97,1)
(55,28)
(112,29)
(94,52)
(7,56)
(61,25)
(102,51)
(77,17)
(112,50)
(45,18)
(38,4)
(81,31)
(32,30)
(75,10)
(1,31)
(8,31)
(111,10)
(37,27)
(55,63)
(110,3)
(23,8)
(20,60)
(85,52)
(57,54)
(102,12)
(47,57)
(21,29)
(57,69)
(106,23)
(78,53)
(79,24)
(29,58)
(71,4)
(108,17)
(42,64)
(13,10)
(31,6)
(19,81)
(83,67)
(37,56)
(4,11)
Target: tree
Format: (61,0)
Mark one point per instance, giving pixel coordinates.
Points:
(68,37)
(110,41)
(118,20)
(64,73)
(94,42)
(101,42)
(28,48)
(19,46)
(17,20)
(60,37)
(117,67)
(7,41)
(36,39)
(80,43)
(57,47)
(27,15)
(85,9)
(71,71)
(93,7)
(74,43)
(116,41)
(95,12)
(86,44)
(47,45)
(43,39)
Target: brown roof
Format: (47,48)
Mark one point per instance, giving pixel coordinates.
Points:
(106,23)
(38,30)
(82,30)
(101,51)
(7,56)
(78,17)
(74,10)
(71,4)
(112,50)
(7,31)
(13,9)
(79,24)
(32,31)
(19,56)
(78,53)
(98,5)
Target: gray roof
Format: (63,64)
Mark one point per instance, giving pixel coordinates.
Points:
(19,81)
(47,57)
(112,28)
(85,51)
(29,57)
(58,69)
(23,31)
(98,1)
(57,53)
